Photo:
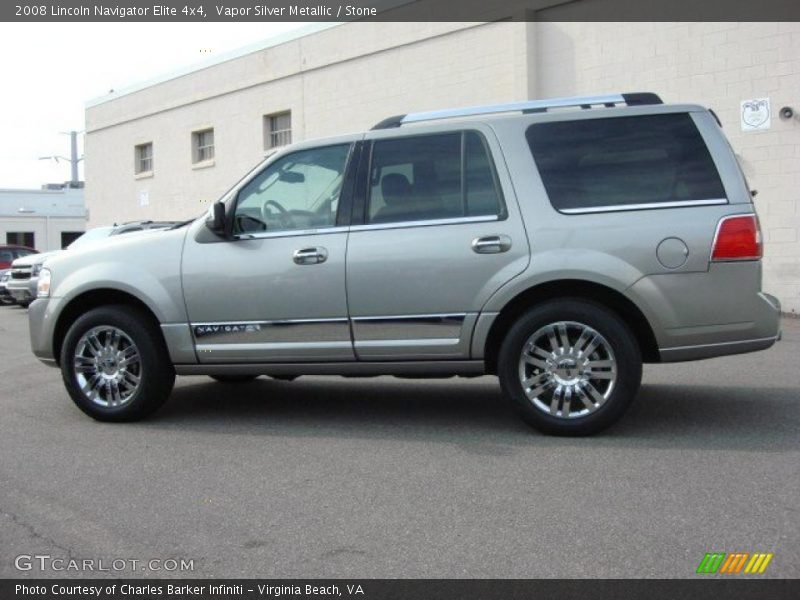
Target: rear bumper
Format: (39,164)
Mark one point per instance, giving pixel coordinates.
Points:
(712,350)
(705,314)
(767,324)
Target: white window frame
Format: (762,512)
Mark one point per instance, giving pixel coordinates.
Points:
(276,138)
(140,168)
(202,151)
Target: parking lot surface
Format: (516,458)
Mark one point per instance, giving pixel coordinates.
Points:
(383,477)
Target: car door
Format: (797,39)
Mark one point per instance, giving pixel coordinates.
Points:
(436,231)
(275,290)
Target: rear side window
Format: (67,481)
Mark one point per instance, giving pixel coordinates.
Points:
(618,162)
(427,177)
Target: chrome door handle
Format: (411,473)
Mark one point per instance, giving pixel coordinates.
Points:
(310,256)
(492,244)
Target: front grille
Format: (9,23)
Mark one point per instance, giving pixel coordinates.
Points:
(21,274)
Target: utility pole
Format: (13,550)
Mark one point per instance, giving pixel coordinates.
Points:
(73,146)
(74,159)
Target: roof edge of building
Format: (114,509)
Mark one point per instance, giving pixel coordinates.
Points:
(270,42)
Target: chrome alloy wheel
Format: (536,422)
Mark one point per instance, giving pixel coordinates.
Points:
(107,366)
(567,369)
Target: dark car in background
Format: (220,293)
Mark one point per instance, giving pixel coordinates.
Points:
(9,254)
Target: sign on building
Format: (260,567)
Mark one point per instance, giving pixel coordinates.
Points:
(756,114)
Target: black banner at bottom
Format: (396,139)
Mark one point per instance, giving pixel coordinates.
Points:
(391,589)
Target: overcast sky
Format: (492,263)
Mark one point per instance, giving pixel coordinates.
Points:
(49,70)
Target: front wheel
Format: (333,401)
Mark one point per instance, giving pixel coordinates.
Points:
(115,365)
(571,367)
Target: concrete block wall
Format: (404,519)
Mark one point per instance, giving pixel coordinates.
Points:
(714,64)
(336,81)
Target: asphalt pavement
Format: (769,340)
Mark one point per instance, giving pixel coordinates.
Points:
(383,477)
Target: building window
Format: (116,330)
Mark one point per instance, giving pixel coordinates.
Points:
(277,130)
(20,238)
(203,145)
(144,158)
(67,237)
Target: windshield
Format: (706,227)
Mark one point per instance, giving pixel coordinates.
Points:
(92,235)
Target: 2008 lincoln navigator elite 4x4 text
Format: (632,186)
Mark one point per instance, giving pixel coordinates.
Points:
(557,244)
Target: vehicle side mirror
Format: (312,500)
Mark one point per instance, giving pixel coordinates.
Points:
(217,222)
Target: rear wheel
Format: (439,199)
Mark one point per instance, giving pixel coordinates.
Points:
(115,365)
(571,367)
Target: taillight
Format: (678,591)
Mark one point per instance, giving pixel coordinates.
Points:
(738,238)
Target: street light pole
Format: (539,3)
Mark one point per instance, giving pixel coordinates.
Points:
(73,160)
(73,146)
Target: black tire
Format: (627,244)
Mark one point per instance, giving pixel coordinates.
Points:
(155,371)
(617,336)
(233,378)
(24,303)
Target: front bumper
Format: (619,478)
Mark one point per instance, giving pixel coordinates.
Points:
(42,315)
(22,290)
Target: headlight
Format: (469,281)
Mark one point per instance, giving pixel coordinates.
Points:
(36,269)
(43,285)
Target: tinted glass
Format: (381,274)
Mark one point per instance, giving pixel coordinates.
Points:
(429,177)
(622,161)
(298,191)
(480,185)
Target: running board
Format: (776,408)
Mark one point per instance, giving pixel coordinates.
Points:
(357,368)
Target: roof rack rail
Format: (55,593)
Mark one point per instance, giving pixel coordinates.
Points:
(527,106)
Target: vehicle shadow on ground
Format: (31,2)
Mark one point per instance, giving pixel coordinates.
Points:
(458,411)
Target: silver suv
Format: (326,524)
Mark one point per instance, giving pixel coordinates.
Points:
(556,244)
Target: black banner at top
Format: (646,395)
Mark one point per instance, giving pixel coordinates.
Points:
(397,10)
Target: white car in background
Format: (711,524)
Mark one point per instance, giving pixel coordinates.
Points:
(24,272)
(5,296)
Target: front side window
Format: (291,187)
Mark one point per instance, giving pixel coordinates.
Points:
(430,177)
(299,191)
(203,145)
(590,164)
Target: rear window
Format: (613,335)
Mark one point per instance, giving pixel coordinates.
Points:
(608,163)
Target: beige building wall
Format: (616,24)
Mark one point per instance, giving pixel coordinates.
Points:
(343,79)
(349,77)
(714,64)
